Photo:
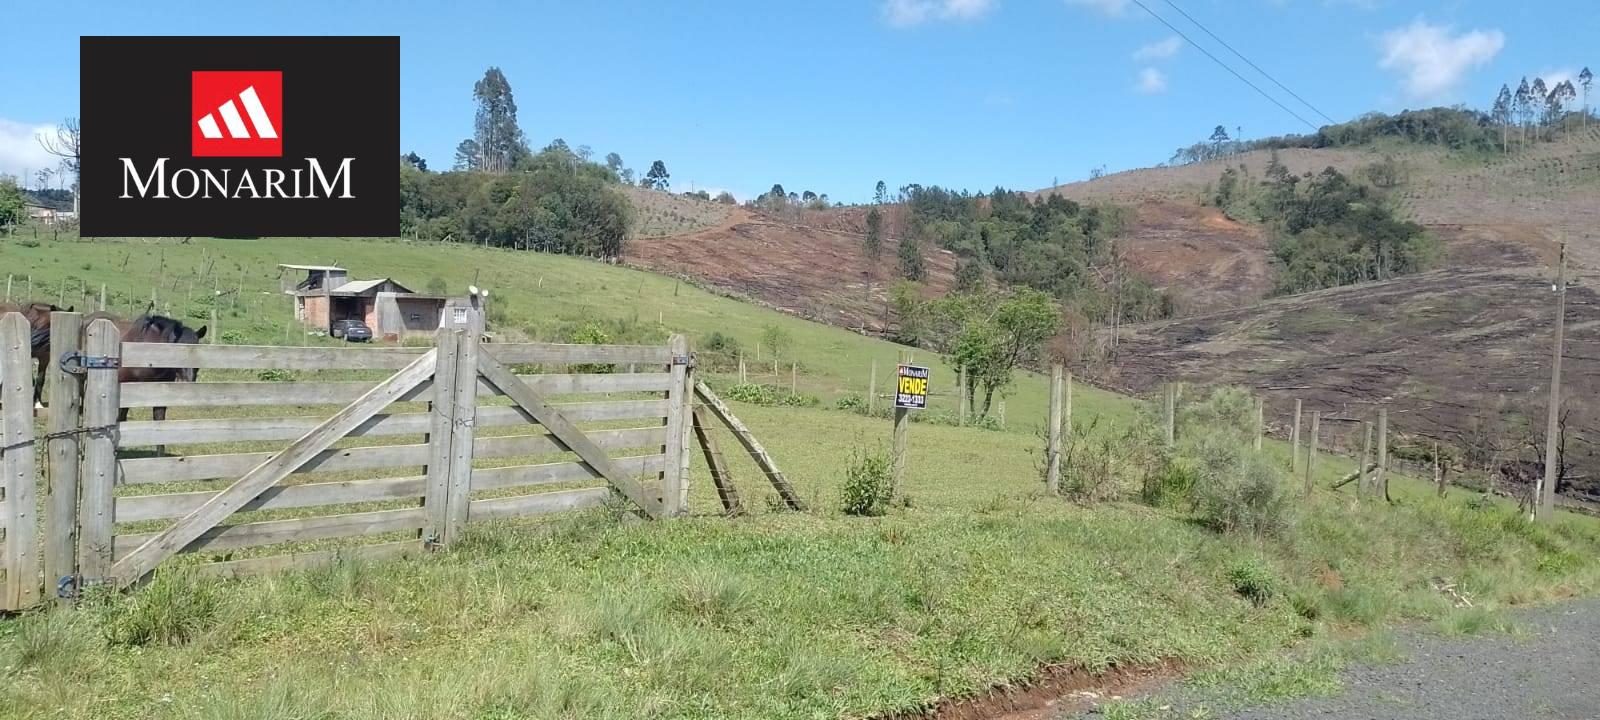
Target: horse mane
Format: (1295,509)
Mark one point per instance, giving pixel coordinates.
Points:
(170,330)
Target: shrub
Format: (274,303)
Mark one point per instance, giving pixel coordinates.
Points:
(1241,493)
(770,396)
(591,334)
(776,339)
(1253,580)
(868,484)
(1091,462)
(853,402)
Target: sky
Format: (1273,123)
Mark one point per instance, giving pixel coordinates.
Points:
(834,95)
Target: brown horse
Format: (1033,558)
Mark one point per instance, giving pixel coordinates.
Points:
(153,329)
(38,317)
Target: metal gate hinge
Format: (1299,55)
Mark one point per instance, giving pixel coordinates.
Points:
(77,363)
(683,360)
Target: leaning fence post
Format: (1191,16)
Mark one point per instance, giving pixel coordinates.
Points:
(1052,449)
(1000,412)
(66,405)
(1311,451)
(101,397)
(1438,469)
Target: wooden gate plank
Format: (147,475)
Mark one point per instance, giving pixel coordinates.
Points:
(21,559)
(168,542)
(563,429)
(66,413)
(751,445)
(98,475)
(463,418)
(675,479)
(442,415)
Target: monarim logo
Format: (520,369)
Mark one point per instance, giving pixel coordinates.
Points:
(264,149)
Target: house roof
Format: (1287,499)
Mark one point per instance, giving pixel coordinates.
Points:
(324,268)
(361,286)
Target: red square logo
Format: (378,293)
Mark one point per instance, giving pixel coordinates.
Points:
(237,113)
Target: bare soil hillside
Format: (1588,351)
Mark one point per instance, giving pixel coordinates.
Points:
(812,271)
(1446,350)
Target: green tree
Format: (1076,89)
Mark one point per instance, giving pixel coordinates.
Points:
(1501,113)
(912,265)
(1219,136)
(1537,94)
(777,340)
(614,164)
(657,178)
(468,155)
(500,140)
(415,160)
(1586,79)
(990,335)
(12,207)
(1521,106)
(880,194)
(969,276)
(872,244)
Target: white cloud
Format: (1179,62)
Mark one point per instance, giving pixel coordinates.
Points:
(1151,82)
(20,151)
(905,13)
(1159,50)
(1433,62)
(1111,8)
(1553,78)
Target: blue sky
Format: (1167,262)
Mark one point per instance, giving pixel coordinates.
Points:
(834,95)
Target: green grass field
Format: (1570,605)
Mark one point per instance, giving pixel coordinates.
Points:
(976,579)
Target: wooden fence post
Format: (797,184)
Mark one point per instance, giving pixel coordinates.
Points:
(1066,411)
(902,437)
(794,378)
(436,495)
(66,405)
(1438,469)
(101,397)
(721,473)
(1172,413)
(1311,450)
(1294,441)
(961,397)
(1381,480)
(872,389)
(21,554)
(1052,448)
(1000,412)
(744,377)
(1364,486)
(1261,421)
(674,483)
(463,422)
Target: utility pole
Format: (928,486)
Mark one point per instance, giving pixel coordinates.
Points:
(1546,501)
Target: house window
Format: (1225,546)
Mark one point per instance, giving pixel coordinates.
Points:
(459,316)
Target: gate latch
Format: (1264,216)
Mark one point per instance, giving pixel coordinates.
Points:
(78,363)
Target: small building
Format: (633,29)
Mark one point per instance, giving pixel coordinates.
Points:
(326,294)
(47,215)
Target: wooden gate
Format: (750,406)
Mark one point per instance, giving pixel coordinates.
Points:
(19,551)
(406,464)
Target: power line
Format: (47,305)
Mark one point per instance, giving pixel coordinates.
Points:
(1224,66)
(1258,69)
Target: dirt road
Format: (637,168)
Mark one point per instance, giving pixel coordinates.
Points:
(1548,671)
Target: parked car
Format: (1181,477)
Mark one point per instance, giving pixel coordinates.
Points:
(350,330)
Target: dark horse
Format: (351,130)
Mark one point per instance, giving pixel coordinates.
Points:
(38,317)
(153,329)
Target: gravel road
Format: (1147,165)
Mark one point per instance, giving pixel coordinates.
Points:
(1552,671)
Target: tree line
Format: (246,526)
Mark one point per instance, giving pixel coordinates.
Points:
(1534,110)
(501,193)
